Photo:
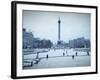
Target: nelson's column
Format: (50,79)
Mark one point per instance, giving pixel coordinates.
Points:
(59,41)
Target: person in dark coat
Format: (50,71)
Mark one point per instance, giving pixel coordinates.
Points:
(87,53)
(76,53)
(73,57)
(63,54)
(47,56)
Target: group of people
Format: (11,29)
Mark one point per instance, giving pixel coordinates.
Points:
(76,54)
(73,56)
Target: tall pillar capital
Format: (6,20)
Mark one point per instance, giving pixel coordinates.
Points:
(59,21)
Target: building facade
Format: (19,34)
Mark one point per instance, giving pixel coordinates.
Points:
(79,43)
(27,39)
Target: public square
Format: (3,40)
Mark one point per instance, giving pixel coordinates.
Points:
(56,40)
(57,58)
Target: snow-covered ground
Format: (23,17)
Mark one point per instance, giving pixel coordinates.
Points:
(59,58)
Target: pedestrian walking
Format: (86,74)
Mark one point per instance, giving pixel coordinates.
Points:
(66,51)
(31,63)
(87,53)
(47,56)
(76,53)
(36,62)
(73,57)
(63,54)
(37,55)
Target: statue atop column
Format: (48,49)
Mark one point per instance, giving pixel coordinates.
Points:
(59,31)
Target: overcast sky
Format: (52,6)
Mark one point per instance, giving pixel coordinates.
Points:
(44,25)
